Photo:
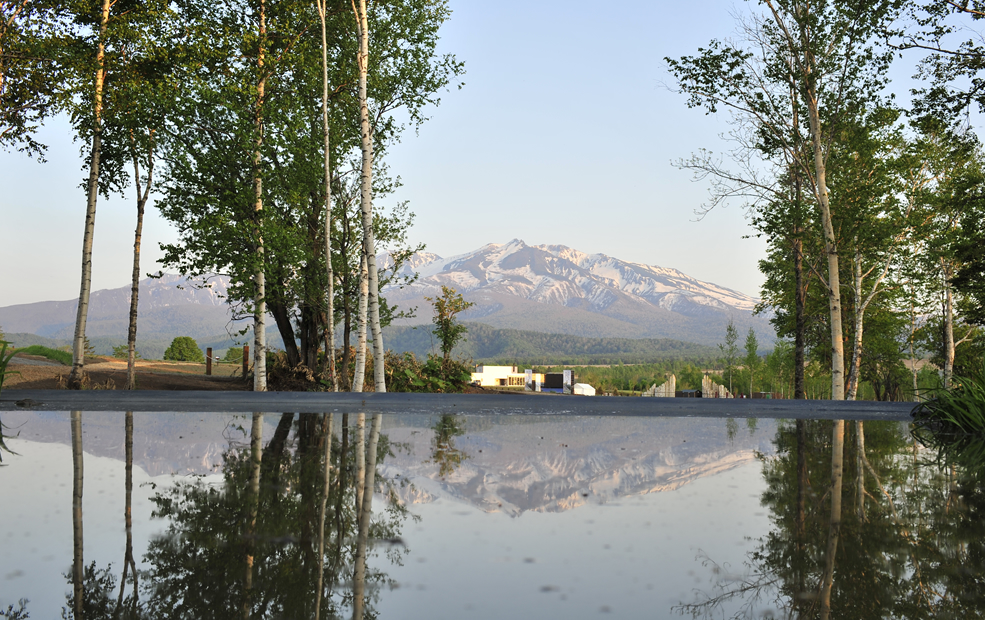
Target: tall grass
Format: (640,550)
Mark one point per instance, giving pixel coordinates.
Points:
(53,354)
(960,410)
(4,360)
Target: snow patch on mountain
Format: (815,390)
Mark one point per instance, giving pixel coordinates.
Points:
(559,275)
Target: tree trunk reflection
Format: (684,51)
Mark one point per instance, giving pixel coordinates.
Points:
(834,523)
(319,591)
(128,562)
(365,513)
(253,505)
(77,560)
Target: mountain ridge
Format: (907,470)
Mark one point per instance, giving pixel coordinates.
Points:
(558,289)
(551,289)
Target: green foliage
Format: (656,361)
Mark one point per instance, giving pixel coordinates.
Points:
(446,327)
(955,412)
(184,349)
(29,40)
(969,280)
(752,359)
(209,193)
(931,338)
(98,596)
(122,352)
(730,353)
(443,450)
(234,355)
(406,373)
(508,347)
(5,357)
(56,355)
(196,567)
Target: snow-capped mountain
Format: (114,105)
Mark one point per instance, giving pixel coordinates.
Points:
(554,465)
(557,288)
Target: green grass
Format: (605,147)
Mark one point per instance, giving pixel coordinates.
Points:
(953,421)
(5,355)
(53,354)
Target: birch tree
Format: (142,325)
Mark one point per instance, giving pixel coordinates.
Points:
(209,191)
(827,53)
(945,179)
(330,276)
(366,198)
(75,378)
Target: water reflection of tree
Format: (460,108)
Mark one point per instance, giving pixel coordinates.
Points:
(443,450)
(909,541)
(194,567)
(248,546)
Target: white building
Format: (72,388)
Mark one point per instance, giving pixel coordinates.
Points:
(502,376)
(583,389)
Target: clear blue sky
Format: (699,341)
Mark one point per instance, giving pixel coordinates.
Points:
(564,133)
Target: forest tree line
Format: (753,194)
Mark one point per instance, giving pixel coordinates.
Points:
(872,211)
(261,126)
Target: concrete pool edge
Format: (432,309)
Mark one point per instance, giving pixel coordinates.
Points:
(473,404)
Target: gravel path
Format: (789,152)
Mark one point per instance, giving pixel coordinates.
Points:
(30,361)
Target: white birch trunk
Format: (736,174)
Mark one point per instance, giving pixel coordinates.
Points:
(366,196)
(948,327)
(82,313)
(260,305)
(330,293)
(831,250)
(804,63)
(913,357)
(359,373)
(854,371)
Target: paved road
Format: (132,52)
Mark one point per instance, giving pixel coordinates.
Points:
(470,404)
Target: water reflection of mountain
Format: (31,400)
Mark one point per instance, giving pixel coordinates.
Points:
(510,464)
(164,443)
(519,464)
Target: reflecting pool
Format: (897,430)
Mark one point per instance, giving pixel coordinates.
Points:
(193,515)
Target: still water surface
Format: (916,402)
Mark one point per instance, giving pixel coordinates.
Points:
(484,517)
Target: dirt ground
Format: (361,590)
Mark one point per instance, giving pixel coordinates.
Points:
(38,373)
(108,373)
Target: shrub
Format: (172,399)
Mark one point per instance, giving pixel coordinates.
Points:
(954,413)
(406,373)
(122,352)
(5,356)
(184,349)
(234,355)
